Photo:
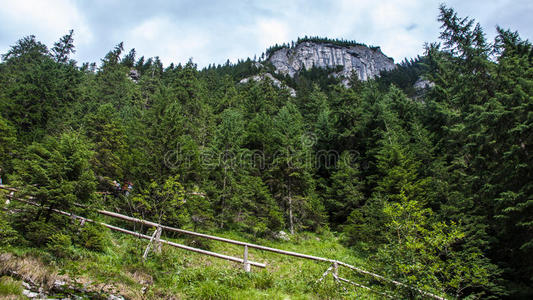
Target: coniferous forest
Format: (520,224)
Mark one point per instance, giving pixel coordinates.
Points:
(432,187)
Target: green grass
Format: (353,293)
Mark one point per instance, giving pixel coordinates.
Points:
(10,288)
(183,274)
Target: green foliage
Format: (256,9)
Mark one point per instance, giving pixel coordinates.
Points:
(405,75)
(481,119)
(8,141)
(35,91)
(338,42)
(199,210)
(10,287)
(26,48)
(57,173)
(8,235)
(290,174)
(420,251)
(63,48)
(363,226)
(210,290)
(436,183)
(345,191)
(39,232)
(94,237)
(162,203)
(107,133)
(60,245)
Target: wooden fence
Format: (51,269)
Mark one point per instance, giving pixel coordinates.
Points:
(155,241)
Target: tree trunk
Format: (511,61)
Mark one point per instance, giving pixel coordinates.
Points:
(291,221)
(223,196)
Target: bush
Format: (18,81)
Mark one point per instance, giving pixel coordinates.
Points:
(94,237)
(7,234)
(59,245)
(39,232)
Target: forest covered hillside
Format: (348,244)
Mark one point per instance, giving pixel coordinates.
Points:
(422,174)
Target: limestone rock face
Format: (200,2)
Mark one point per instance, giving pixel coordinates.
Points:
(422,84)
(275,82)
(366,62)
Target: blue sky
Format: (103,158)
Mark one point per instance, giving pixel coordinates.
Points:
(214,31)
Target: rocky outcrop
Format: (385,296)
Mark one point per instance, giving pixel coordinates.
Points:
(275,82)
(366,62)
(134,75)
(421,88)
(39,281)
(423,84)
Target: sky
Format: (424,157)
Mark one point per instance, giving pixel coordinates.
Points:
(214,31)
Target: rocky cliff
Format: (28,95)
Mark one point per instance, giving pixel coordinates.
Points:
(275,82)
(367,62)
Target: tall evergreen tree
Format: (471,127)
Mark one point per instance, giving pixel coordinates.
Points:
(290,175)
(57,173)
(63,48)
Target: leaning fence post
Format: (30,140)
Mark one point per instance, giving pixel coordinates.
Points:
(336,271)
(157,246)
(145,255)
(245,260)
(325,274)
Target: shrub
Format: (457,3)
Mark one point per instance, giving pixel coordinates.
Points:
(60,245)
(7,234)
(39,232)
(94,237)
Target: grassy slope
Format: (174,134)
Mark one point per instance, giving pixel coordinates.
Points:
(178,274)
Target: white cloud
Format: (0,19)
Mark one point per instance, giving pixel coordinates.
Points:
(171,41)
(49,20)
(271,31)
(399,27)
(233,29)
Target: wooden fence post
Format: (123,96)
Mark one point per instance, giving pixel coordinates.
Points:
(145,255)
(336,271)
(325,274)
(245,259)
(157,246)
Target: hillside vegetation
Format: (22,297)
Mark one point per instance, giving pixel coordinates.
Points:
(428,187)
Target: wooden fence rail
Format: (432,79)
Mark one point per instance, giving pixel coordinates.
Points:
(143,236)
(246,263)
(264,248)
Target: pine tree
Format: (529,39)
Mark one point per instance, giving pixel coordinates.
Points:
(162,202)
(57,173)
(8,142)
(35,91)
(291,172)
(345,192)
(63,48)
(509,125)
(109,138)
(129,59)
